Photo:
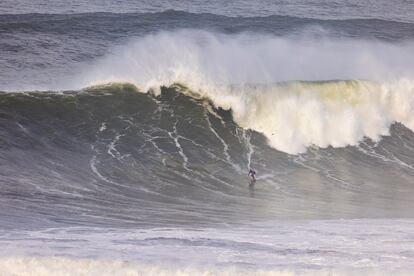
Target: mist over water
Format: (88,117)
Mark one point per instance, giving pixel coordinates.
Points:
(127,130)
(206,58)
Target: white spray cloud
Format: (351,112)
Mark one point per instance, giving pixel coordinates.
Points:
(257,76)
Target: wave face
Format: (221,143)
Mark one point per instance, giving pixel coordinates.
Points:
(121,155)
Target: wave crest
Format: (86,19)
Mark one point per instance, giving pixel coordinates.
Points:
(255,76)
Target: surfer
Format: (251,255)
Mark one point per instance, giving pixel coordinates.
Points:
(252,175)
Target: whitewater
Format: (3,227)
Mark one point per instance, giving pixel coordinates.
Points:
(127,131)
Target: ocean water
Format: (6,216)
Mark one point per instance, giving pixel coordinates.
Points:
(127,129)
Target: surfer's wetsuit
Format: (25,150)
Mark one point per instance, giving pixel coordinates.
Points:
(252,174)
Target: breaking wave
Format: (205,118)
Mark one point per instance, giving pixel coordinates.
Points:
(348,89)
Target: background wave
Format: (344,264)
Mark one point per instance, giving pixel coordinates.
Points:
(39,51)
(354,9)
